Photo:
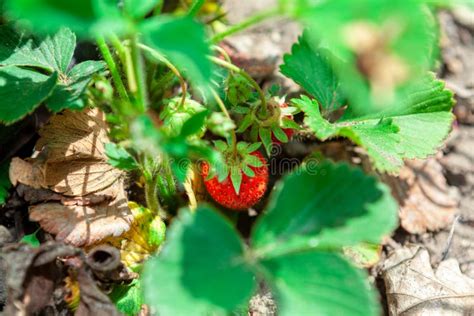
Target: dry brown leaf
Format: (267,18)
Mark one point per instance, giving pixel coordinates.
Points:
(413,288)
(71,156)
(74,135)
(25,172)
(80,177)
(426,201)
(82,225)
(88,193)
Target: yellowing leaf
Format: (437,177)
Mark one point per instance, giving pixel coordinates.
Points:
(143,239)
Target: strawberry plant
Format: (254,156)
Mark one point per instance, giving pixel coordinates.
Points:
(167,108)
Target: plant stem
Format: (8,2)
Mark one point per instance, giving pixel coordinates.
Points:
(224,110)
(236,69)
(151,197)
(168,64)
(109,60)
(138,68)
(257,18)
(223,53)
(195,7)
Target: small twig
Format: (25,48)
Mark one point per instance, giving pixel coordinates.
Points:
(450,238)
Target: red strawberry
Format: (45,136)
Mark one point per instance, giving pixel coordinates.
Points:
(251,189)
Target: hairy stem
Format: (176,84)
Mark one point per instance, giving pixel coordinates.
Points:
(241,72)
(224,110)
(109,60)
(138,67)
(195,7)
(168,64)
(257,18)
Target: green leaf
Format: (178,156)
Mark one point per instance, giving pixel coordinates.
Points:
(31,240)
(201,269)
(189,53)
(87,18)
(51,53)
(21,91)
(335,206)
(139,8)
(415,129)
(312,70)
(363,254)
(367,37)
(5,183)
(319,283)
(119,157)
(69,93)
(194,124)
(128,298)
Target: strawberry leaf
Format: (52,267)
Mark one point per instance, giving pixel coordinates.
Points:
(49,53)
(313,72)
(332,286)
(335,205)
(16,100)
(119,157)
(413,130)
(69,93)
(189,53)
(31,240)
(128,298)
(87,18)
(202,260)
(139,8)
(362,39)
(47,56)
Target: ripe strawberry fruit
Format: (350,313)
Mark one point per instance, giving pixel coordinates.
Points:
(250,190)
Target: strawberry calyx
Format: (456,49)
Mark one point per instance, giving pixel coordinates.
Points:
(238,161)
(275,128)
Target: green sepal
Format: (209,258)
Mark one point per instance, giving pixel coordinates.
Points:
(236,178)
(246,123)
(279,134)
(266,137)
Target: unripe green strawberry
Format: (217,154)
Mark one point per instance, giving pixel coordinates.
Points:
(175,114)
